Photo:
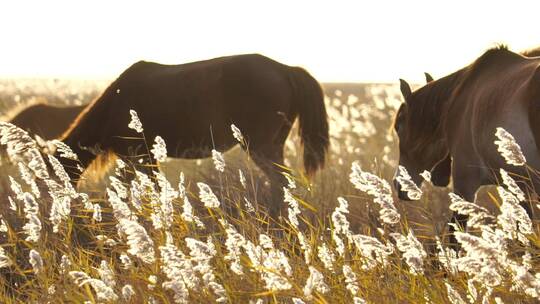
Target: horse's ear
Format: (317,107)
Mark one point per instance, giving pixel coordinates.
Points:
(405,89)
(429,78)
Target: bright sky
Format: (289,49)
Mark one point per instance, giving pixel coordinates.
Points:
(378,40)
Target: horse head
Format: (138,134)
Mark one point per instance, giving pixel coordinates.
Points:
(440,174)
(421,147)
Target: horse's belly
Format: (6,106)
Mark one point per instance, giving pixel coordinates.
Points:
(196,151)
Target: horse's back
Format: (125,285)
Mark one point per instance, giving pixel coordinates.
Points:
(219,83)
(45,120)
(147,71)
(496,93)
(190,103)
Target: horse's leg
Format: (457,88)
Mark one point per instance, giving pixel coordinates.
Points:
(467,180)
(529,182)
(146,165)
(137,159)
(266,159)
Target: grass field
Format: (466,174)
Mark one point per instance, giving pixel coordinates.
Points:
(195,234)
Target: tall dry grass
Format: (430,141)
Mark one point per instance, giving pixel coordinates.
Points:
(197,232)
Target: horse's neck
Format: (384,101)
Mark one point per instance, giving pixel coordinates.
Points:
(86,132)
(432,108)
(85,155)
(448,85)
(73,167)
(81,138)
(73,112)
(438,97)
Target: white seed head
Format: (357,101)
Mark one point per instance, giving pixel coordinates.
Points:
(159,149)
(509,148)
(407,184)
(237,134)
(219,162)
(207,196)
(135,123)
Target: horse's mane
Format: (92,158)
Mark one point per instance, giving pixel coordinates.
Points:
(495,55)
(428,103)
(445,87)
(111,89)
(495,59)
(432,100)
(499,47)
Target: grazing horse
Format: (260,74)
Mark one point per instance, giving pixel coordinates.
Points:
(192,106)
(440,174)
(455,118)
(46,121)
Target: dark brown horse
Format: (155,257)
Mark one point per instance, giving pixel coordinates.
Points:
(456,116)
(440,174)
(192,106)
(46,121)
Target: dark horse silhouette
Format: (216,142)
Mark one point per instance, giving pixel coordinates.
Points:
(192,106)
(440,174)
(46,121)
(455,118)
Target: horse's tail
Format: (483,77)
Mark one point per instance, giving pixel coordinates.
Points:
(309,100)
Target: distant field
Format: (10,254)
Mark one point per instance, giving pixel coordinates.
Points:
(228,257)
